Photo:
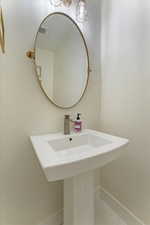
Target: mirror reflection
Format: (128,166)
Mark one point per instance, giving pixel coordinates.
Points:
(61,59)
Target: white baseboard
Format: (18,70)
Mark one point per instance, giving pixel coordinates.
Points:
(127,216)
(53,219)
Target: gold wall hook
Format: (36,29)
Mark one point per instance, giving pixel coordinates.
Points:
(31,54)
(2,31)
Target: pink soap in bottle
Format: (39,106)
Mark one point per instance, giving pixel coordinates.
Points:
(78,123)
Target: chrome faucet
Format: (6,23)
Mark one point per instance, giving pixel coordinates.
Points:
(67,124)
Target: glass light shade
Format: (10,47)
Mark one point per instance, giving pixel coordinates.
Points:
(67,2)
(56,2)
(81,11)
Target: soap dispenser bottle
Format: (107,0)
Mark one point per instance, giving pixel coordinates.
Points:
(78,123)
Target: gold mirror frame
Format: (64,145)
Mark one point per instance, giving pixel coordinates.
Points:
(2,31)
(31,55)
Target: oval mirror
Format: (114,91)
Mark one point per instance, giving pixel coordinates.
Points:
(61,60)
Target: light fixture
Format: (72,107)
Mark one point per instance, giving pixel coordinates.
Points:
(67,2)
(2,30)
(81,11)
(56,2)
(59,2)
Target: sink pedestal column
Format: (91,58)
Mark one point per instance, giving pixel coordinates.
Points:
(79,200)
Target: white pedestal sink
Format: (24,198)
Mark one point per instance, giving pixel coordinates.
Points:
(73,158)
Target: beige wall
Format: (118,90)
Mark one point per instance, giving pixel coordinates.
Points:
(125,99)
(27,198)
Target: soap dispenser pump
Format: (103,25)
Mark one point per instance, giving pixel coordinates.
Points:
(78,123)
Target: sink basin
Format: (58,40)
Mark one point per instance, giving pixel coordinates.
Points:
(63,156)
(75,143)
(73,158)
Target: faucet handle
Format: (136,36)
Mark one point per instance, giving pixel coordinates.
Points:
(67,116)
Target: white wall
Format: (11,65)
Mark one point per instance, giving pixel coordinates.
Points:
(125,99)
(27,198)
